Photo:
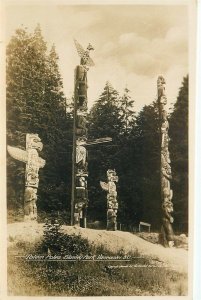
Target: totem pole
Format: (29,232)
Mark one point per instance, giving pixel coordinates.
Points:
(33,164)
(79,164)
(112,204)
(166,174)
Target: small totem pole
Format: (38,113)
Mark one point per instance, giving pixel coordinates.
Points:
(79,164)
(112,204)
(166,174)
(33,164)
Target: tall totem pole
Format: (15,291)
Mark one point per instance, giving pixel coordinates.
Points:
(33,164)
(166,173)
(79,198)
(112,204)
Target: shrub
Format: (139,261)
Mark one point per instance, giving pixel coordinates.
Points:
(55,241)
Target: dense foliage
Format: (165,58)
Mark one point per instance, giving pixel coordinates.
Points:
(36,104)
(135,154)
(56,242)
(179,156)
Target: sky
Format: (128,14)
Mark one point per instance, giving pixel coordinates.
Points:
(134,44)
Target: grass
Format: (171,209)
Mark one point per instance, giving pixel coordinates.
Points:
(87,278)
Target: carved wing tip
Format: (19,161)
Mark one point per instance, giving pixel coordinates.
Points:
(11,150)
(17,153)
(104,185)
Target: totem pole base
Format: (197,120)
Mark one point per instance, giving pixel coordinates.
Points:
(166,242)
(30,208)
(30,219)
(77,219)
(83,222)
(32,216)
(83,219)
(111,226)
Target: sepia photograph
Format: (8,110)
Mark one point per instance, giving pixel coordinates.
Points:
(99,139)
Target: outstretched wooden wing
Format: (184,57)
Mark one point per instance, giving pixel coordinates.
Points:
(104,185)
(99,141)
(80,49)
(18,154)
(84,54)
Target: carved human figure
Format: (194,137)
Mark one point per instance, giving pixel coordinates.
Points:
(80,74)
(161,86)
(165,157)
(81,154)
(81,86)
(81,188)
(81,124)
(167,224)
(165,139)
(167,193)
(164,115)
(32,178)
(30,208)
(111,219)
(165,183)
(112,188)
(165,173)
(165,126)
(82,182)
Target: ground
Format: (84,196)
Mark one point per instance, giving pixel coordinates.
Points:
(175,258)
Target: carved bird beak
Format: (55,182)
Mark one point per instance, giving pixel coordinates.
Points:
(90,47)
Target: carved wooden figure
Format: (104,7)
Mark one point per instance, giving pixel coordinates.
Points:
(166,174)
(33,164)
(112,204)
(80,170)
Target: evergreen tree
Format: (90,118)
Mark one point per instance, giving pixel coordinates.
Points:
(36,104)
(20,78)
(103,122)
(124,161)
(57,134)
(114,117)
(127,114)
(142,178)
(179,157)
(104,115)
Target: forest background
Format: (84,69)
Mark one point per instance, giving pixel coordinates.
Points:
(36,104)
